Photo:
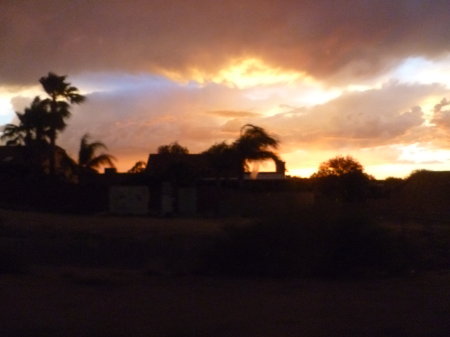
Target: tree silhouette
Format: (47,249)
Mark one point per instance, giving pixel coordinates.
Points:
(338,166)
(343,179)
(173,149)
(176,165)
(222,159)
(138,167)
(61,95)
(13,135)
(36,122)
(32,133)
(88,161)
(254,143)
(33,126)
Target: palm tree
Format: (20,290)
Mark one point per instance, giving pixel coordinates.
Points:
(32,133)
(33,126)
(36,122)
(138,167)
(88,161)
(61,96)
(255,144)
(13,135)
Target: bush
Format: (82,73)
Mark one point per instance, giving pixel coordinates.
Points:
(320,244)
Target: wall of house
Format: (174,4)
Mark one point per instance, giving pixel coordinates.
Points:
(235,202)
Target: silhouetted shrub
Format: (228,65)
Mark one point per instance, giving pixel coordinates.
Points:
(342,179)
(349,187)
(356,245)
(317,244)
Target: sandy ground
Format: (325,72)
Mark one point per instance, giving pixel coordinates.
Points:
(69,301)
(81,302)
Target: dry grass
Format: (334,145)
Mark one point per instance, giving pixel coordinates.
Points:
(114,226)
(156,244)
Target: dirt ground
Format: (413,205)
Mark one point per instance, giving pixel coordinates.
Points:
(88,302)
(83,301)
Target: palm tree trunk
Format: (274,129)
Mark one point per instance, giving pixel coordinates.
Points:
(241,176)
(28,138)
(52,153)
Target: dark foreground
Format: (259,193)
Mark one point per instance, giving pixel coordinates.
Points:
(76,276)
(100,302)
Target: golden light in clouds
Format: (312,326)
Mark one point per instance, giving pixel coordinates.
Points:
(301,172)
(259,81)
(427,106)
(242,74)
(253,72)
(419,154)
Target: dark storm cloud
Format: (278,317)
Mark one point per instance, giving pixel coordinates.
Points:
(330,39)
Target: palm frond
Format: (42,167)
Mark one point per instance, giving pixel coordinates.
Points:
(87,158)
(53,84)
(102,160)
(85,153)
(264,155)
(13,135)
(74,96)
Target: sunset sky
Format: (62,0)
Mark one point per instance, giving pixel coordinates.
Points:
(364,78)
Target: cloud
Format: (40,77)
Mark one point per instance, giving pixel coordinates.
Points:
(441,115)
(425,154)
(134,114)
(357,119)
(144,112)
(135,122)
(327,39)
(233,114)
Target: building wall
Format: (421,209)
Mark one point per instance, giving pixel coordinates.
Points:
(133,200)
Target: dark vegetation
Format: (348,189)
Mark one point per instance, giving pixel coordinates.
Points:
(38,129)
(317,243)
(343,179)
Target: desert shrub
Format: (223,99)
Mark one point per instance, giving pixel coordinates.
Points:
(316,244)
(355,245)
